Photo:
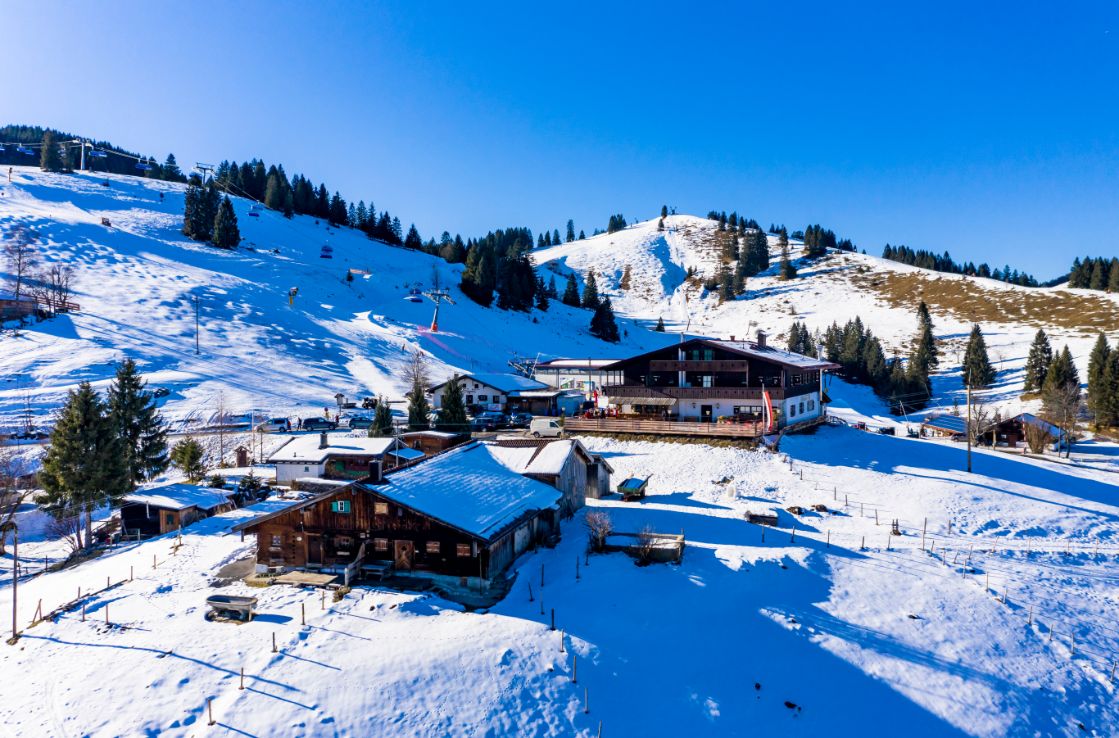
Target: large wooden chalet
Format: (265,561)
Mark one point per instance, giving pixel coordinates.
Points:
(711,387)
(462,514)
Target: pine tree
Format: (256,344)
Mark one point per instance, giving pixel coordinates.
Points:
(582,235)
(418,407)
(541,294)
(226,233)
(170,170)
(571,292)
(555,237)
(570,230)
(188,457)
(50,160)
(83,468)
(553,294)
(452,414)
(590,292)
(1108,415)
(480,275)
(660,325)
(664,211)
(1061,391)
(1099,399)
(1037,362)
(382,419)
(787,271)
(977,369)
(602,322)
(136,420)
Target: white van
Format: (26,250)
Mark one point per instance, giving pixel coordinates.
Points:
(545,428)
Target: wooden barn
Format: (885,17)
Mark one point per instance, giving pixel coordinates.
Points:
(462,514)
(432,442)
(152,511)
(566,464)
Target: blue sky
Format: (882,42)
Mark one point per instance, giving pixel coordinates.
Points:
(987,129)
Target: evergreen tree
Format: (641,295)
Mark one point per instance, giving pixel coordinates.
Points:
(412,240)
(1108,414)
(418,407)
(726,285)
(660,325)
(787,271)
(1037,362)
(552,292)
(382,419)
(602,322)
(1099,399)
(188,457)
(977,369)
(571,292)
(582,236)
(664,211)
(556,237)
(570,230)
(480,276)
(590,292)
(83,468)
(541,294)
(1062,385)
(226,233)
(136,420)
(170,170)
(50,160)
(452,415)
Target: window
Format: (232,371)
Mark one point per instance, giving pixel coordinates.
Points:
(340,506)
(277,540)
(170,518)
(432,547)
(811,404)
(463,549)
(380,508)
(470,399)
(798,379)
(707,380)
(343,541)
(306,468)
(708,354)
(792,409)
(483,398)
(802,408)
(380,544)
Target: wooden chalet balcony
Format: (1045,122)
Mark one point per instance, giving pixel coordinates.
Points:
(636,392)
(664,427)
(698,365)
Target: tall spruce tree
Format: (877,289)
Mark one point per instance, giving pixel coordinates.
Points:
(418,407)
(1037,362)
(603,324)
(84,467)
(977,368)
(1061,392)
(226,233)
(452,414)
(1099,399)
(571,292)
(136,420)
(590,292)
(50,159)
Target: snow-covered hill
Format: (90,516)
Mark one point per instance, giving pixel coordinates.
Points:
(137,282)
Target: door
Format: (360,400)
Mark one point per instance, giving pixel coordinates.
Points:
(705,413)
(314,550)
(405,554)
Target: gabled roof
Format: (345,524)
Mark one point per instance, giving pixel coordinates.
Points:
(1053,430)
(743,348)
(305,449)
(950,423)
(469,489)
(179,496)
(546,458)
(575,363)
(506,383)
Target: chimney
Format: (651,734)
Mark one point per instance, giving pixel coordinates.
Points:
(732,338)
(376,471)
(323,443)
(761,338)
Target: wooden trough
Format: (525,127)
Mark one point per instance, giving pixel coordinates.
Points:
(633,488)
(231,608)
(764,518)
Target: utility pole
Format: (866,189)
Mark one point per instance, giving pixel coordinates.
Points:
(967,426)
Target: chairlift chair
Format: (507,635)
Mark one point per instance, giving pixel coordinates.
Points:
(25,150)
(143,167)
(95,154)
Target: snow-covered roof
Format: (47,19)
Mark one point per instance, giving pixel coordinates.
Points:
(541,393)
(469,489)
(951,423)
(541,458)
(179,496)
(304,449)
(507,383)
(407,454)
(1055,431)
(776,355)
(574,363)
(430,433)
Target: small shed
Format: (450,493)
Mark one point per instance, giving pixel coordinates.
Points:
(334,456)
(165,508)
(944,426)
(433,442)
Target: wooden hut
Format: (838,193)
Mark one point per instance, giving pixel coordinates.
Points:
(165,508)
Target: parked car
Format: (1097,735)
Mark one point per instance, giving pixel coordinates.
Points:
(482,424)
(520,420)
(499,420)
(545,428)
(356,422)
(318,424)
(274,425)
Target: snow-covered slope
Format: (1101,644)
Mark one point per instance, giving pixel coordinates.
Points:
(136,283)
(838,288)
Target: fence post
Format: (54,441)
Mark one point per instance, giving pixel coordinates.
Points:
(987,583)
(1030,617)
(553,619)
(210,709)
(154,565)
(302,613)
(793,537)
(888,541)
(530,597)
(876,516)
(563,634)
(829,539)
(130,573)
(574,669)
(242,685)
(541,576)
(586,700)
(273,641)
(83,612)
(862,546)
(576,568)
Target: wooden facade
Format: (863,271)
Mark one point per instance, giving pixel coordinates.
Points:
(356,524)
(433,442)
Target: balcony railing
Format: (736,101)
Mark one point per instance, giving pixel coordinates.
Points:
(635,392)
(698,365)
(664,427)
